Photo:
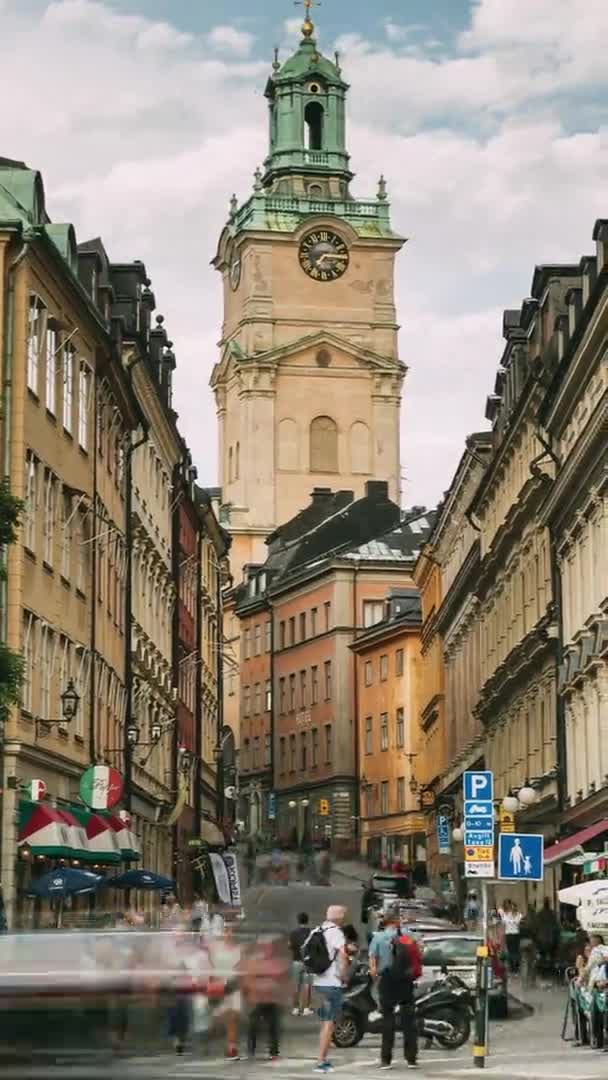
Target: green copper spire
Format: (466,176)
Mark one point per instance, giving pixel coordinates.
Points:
(307,97)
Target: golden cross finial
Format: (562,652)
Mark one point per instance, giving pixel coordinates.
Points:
(308,25)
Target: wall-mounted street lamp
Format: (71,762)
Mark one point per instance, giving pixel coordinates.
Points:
(70,700)
(457,835)
(185,759)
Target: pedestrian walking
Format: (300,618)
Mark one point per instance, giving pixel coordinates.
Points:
(471,910)
(394,960)
(302,979)
(324,870)
(324,956)
(511,918)
(264,974)
(225,956)
(546,931)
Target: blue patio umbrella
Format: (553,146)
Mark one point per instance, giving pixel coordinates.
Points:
(141,879)
(58,884)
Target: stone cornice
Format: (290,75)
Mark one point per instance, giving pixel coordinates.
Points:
(521,512)
(464,583)
(567,486)
(523,661)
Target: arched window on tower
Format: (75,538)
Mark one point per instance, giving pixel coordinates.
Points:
(313,126)
(323,445)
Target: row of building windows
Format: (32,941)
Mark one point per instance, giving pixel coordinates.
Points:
(251,754)
(252,642)
(308,624)
(378,798)
(62,523)
(254,701)
(302,752)
(50,660)
(297,692)
(383,667)
(385,732)
(56,364)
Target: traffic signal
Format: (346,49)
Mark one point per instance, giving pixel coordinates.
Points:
(324,807)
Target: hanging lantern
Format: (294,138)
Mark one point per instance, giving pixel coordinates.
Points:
(510,803)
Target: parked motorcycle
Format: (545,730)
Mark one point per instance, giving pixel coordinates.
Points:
(443,1012)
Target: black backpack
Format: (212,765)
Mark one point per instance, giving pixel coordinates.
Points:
(400,969)
(315,954)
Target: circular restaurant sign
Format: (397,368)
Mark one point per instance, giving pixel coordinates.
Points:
(101,787)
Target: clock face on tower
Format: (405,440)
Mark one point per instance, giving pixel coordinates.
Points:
(323,255)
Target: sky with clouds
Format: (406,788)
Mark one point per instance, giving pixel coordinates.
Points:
(486,116)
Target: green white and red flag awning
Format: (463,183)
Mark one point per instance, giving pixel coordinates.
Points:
(127,840)
(45,830)
(103,846)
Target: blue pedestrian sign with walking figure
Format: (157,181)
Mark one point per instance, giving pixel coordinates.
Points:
(520,857)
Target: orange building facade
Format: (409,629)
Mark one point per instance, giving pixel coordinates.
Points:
(388,670)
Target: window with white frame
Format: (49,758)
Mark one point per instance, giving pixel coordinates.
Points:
(46,671)
(384,731)
(267,750)
(401,793)
(257,699)
(400,727)
(31,499)
(268,636)
(52,339)
(257,639)
(82,554)
(84,391)
(66,534)
(373,612)
(268,696)
(50,496)
(68,354)
(36,333)
(27,653)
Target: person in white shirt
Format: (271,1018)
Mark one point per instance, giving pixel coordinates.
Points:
(329,985)
(511,918)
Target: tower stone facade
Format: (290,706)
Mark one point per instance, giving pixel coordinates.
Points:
(308,383)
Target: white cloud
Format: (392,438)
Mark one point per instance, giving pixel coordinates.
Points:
(230,40)
(145,133)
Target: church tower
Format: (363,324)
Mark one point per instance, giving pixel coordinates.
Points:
(308,383)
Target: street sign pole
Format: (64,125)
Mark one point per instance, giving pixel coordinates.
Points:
(478,797)
(481,1046)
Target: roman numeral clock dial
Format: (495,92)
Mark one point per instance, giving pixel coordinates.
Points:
(323,255)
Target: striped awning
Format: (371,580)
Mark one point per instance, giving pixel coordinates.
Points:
(103,845)
(45,830)
(127,841)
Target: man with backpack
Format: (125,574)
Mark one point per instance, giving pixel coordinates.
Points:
(394,960)
(324,957)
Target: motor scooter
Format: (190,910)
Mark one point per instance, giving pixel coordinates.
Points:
(443,1011)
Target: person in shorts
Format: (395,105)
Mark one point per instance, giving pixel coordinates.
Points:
(329,985)
(301,978)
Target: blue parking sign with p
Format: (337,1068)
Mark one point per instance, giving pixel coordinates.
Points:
(478,785)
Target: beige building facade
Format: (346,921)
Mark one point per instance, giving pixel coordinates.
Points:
(308,384)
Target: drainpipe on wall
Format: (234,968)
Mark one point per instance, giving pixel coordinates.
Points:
(198,726)
(220,699)
(357,792)
(7,406)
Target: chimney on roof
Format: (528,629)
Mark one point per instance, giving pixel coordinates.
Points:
(321,495)
(376,491)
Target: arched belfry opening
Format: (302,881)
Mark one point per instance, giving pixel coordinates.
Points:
(313,126)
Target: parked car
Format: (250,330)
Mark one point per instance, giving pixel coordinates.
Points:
(385,886)
(457,951)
